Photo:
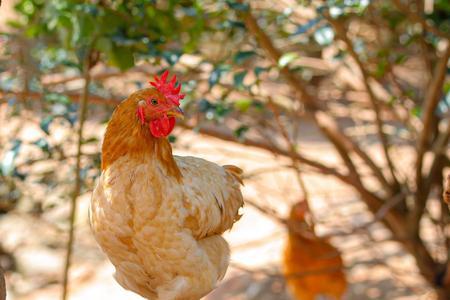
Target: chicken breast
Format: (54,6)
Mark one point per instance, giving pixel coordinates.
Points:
(163,236)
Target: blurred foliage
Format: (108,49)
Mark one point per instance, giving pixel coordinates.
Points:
(54,36)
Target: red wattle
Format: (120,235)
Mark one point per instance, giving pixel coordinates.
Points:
(162,127)
(164,123)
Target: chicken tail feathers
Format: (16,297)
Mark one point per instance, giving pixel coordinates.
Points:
(235,172)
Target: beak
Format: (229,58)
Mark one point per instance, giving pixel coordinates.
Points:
(176,112)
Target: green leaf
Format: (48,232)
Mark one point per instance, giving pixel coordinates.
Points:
(122,57)
(447,87)
(43,145)
(259,70)
(221,110)
(62,20)
(216,74)
(104,44)
(392,100)
(71,118)
(83,29)
(416,111)
(14,24)
(339,55)
(204,105)
(287,58)
(233,4)
(32,31)
(400,58)
(57,98)
(26,7)
(214,77)
(381,68)
(258,105)
(172,139)
(240,131)
(242,56)
(109,23)
(90,140)
(238,79)
(172,57)
(45,124)
(243,104)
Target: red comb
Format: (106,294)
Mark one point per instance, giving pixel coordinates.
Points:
(169,89)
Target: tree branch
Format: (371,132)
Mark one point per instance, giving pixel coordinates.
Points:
(74,97)
(266,211)
(229,136)
(292,148)
(446,193)
(431,101)
(341,33)
(78,181)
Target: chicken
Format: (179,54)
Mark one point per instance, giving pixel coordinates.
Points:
(312,266)
(159,217)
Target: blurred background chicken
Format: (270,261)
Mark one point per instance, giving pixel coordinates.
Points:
(312,266)
(160,217)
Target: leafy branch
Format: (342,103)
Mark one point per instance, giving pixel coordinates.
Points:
(430,104)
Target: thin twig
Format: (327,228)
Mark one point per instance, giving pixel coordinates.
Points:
(378,216)
(261,171)
(58,80)
(341,32)
(78,180)
(430,104)
(266,211)
(74,97)
(292,148)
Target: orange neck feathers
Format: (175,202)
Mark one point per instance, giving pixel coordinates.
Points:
(126,135)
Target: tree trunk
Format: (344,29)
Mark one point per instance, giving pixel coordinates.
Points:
(2,285)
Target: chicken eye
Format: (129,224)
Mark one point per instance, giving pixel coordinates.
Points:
(154,101)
